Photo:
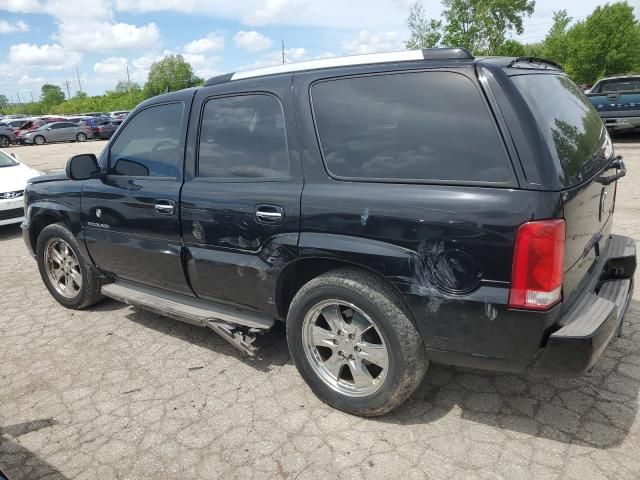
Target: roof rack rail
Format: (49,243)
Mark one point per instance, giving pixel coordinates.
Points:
(447,54)
(371,58)
(533,63)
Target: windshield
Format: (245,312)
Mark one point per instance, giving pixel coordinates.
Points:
(7,160)
(572,128)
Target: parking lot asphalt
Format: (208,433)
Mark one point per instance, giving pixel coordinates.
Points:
(116,392)
(52,157)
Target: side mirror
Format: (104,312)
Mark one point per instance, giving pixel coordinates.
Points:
(83,167)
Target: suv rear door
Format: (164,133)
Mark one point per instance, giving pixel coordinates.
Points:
(240,203)
(131,217)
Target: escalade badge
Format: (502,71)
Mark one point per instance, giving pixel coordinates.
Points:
(10,195)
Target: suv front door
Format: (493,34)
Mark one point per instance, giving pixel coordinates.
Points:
(131,216)
(240,204)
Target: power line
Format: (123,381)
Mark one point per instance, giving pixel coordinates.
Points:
(66,81)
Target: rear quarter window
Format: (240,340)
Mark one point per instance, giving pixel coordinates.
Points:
(419,126)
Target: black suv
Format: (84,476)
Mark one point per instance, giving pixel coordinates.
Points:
(392,209)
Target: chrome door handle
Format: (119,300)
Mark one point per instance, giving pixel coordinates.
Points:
(165,207)
(269,214)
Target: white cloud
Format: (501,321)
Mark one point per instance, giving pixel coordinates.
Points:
(252,41)
(19,26)
(20,6)
(105,36)
(214,42)
(112,66)
(202,65)
(367,42)
(27,81)
(50,57)
(272,10)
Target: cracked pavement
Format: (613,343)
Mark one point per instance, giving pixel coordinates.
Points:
(116,392)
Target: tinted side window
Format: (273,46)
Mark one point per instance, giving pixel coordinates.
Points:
(408,126)
(150,144)
(243,137)
(56,126)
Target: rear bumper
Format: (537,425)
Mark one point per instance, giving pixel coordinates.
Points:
(621,123)
(595,320)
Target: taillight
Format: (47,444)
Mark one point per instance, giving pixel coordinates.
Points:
(538,263)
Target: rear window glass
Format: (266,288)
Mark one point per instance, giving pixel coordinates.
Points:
(425,126)
(622,85)
(569,123)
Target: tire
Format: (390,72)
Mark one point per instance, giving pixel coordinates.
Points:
(370,300)
(39,140)
(83,278)
(4,141)
(81,137)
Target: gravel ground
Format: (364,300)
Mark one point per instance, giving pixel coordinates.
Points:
(116,392)
(54,156)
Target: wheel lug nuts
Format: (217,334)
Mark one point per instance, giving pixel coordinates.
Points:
(340,354)
(351,357)
(339,332)
(351,336)
(356,348)
(335,342)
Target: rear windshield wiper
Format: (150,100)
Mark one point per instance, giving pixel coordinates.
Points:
(618,164)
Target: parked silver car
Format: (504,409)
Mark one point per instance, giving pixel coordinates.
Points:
(57,132)
(7,136)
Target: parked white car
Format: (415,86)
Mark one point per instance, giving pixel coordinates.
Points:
(13,180)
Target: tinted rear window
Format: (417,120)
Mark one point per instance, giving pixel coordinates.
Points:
(621,85)
(425,126)
(569,123)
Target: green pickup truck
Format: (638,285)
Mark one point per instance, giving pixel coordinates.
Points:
(617,100)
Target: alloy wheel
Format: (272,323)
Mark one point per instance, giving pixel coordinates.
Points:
(63,268)
(345,348)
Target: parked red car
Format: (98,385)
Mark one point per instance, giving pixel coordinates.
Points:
(28,126)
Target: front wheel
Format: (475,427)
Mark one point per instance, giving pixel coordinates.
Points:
(81,137)
(39,140)
(4,141)
(70,278)
(353,343)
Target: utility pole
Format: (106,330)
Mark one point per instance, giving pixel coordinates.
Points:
(283,51)
(79,82)
(128,82)
(18,94)
(68,90)
(32,100)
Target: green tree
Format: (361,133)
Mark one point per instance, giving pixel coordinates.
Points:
(81,94)
(425,32)
(169,74)
(512,48)
(607,42)
(51,95)
(555,46)
(482,26)
(4,103)
(126,86)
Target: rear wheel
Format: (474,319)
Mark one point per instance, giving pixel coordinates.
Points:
(39,140)
(353,343)
(70,278)
(4,141)
(81,137)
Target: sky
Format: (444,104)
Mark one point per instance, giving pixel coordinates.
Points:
(94,42)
